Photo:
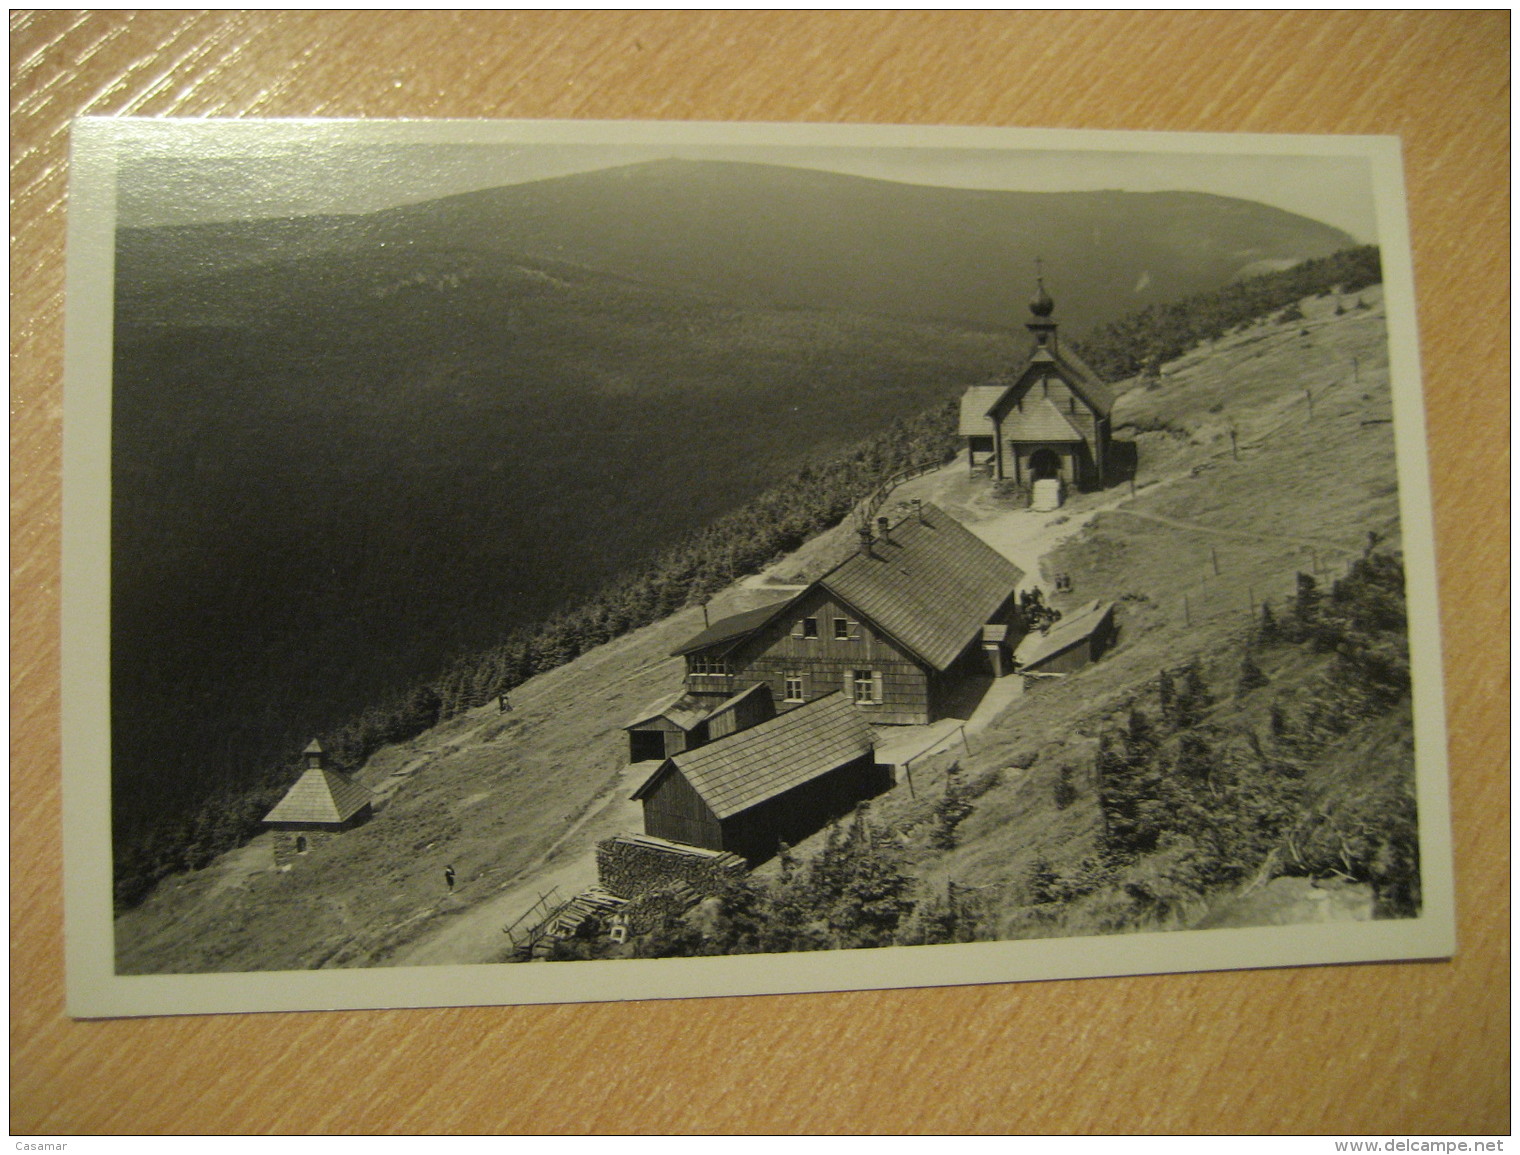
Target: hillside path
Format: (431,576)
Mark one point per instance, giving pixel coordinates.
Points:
(1237,533)
(475,934)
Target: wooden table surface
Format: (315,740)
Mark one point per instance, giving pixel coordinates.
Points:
(1387,1049)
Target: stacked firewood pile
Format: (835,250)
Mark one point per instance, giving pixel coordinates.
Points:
(634,866)
(594,902)
(651,909)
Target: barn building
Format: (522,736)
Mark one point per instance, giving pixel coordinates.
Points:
(685,721)
(896,627)
(1078,638)
(779,781)
(1047,421)
(322,804)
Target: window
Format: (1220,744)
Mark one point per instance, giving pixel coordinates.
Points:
(301,845)
(794,690)
(867,688)
(708,666)
(809,627)
(842,629)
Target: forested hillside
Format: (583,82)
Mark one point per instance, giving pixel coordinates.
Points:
(1141,341)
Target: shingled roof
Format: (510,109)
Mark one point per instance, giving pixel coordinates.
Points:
(1074,627)
(320,795)
(680,707)
(731,628)
(1039,420)
(1075,372)
(999,394)
(737,773)
(931,584)
(976,402)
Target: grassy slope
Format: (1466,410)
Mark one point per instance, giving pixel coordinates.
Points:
(487,793)
(491,796)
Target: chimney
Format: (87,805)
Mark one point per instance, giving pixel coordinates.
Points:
(865,537)
(918,511)
(883,529)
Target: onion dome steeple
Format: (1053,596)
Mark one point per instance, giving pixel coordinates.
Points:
(1041,307)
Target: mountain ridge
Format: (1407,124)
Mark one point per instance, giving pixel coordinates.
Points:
(783,236)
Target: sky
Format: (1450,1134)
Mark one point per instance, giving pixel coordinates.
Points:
(208,171)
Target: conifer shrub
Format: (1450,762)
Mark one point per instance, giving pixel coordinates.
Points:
(1065,789)
(1251,675)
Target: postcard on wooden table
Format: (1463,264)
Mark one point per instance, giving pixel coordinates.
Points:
(514,562)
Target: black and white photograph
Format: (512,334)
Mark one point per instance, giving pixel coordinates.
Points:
(526,562)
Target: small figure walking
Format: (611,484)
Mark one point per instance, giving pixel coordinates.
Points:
(448,877)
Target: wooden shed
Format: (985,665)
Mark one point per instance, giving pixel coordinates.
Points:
(1078,638)
(895,627)
(685,721)
(779,781)
(322,804)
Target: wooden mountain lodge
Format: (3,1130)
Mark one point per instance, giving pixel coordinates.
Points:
(895,628)
(775,782)
(1048,421)
(322,804)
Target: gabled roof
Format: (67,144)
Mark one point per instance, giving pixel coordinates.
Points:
(976,402)
(731,628)
(1075,372)
(1039,420)
(1088,383)
(685,711)
(1074,627)
(759,689)
(741,771)
(930,585)
(320,795)
(1069,366)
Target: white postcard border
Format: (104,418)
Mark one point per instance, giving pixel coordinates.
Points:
(95,990)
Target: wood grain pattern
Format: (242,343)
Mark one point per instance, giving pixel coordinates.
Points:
(1384,1048)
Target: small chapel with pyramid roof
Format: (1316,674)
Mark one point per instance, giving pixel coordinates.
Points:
(322,804)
